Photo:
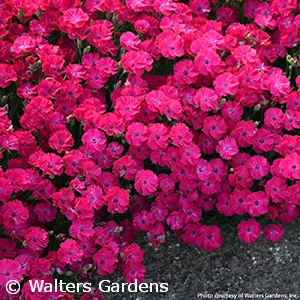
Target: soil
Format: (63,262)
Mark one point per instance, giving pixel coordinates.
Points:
(264,270)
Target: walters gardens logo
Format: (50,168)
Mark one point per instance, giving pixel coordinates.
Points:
(104,286)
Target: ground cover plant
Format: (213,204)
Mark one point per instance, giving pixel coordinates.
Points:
(127,117)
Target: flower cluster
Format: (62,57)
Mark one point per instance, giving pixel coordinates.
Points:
(127,117)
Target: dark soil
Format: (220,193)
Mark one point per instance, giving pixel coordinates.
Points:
(191,273)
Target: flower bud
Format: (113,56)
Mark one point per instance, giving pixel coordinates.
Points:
(86,50)
(257,107)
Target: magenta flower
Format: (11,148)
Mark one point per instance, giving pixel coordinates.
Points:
(210,238)
(117,200)
(249,231)
(69,251)
(227,148)
(274,232)
(226,84)
(9,270)
(36,238)
(145,182)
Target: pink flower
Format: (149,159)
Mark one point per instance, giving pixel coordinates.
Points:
(191,212)
(288,216)
(189,154)
(95,79)
(277,189)
(171,108)
(6,189)
(207,144)
(206,99)
(158,136)
(134,273)
(106,67)
(36,238)
(250,77)
(191,234)
(237,201)
(274,117)
(264,16)
(143,220)
(227,148)
(52,65)
(100,37)
(94,140)
(165,8)
(257,203)
(200,8)
(49,163)
(226,84)
(250,7)
(223,205)
(175,220)
(243,132)
(80,209)
(241,177)
(75,17)
(170,44)
(70,251)
(93,193)
(125,167)
(61,140)
(45,211)
(209,186)
(75,72)
(203,169)
(290,166)
(8,248)
(115,150)
(7,75)
(210,238)
(72,161)
(136,134)
(258,167)
(215,126)
(137,62)
(9,270)
(219,169)
(133,254)
(105,259)
(278,84)
(208,62)
(117,200)
(82,229)
(145,182)
(139,6)
(227,15)
(298,81)
(274,232)
(14,213)
(180,135)
(141,26)
(160,213)
(249,230)
(291,120)
(127,107)
(185,72)
(130,41)
(112,124)
(24,44)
